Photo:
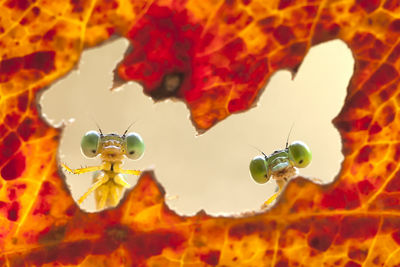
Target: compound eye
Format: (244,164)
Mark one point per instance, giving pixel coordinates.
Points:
(259,169)
(134,146)
(90,144)
(299,154)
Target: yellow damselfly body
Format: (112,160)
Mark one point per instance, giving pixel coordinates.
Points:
(109,179)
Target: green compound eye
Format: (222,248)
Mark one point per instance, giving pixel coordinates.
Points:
(259,169)
(299,154)
(90,144)
(134,146)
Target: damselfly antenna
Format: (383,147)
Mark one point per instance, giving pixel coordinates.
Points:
(97,125)
(128,128)
(259,150)
(287,139)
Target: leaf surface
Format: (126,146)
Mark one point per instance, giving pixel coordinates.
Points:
(216,56)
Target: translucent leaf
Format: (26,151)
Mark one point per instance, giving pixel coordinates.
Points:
(216,56)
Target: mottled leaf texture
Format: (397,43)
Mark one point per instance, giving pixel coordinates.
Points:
(216,56)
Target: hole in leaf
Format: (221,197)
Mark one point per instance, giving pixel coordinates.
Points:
(209,171)
(169,86)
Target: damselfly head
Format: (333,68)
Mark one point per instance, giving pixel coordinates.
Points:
(112,147)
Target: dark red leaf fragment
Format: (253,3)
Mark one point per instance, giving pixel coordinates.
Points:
(368,5)
(339,198)
(360,227)
(19,4)
(358,254)
(11,143)
(394,184)
(26,129)
(363,154)
(43,61)
(211,258)
(352,264)
(382,76)
(13,211)
(321,241)
(283,34)
(285,3)
(365,187)
(14,168)
(240,230)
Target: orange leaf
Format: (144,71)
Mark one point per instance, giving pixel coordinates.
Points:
(216,56)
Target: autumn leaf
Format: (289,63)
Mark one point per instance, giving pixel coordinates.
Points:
(216,56)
